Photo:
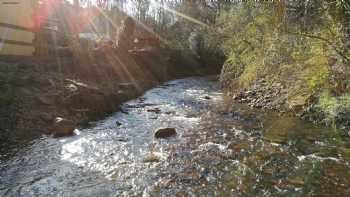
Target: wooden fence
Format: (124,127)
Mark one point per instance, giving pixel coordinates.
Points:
(16,38)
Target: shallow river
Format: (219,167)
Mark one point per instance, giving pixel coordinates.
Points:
(218,151)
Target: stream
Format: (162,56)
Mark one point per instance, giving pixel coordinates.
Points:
(220,150)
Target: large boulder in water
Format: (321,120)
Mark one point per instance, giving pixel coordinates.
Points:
(89,98)
(63,127)
(165,132)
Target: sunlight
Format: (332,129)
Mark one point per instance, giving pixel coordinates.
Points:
(107,17)
(179,14)
(43,13)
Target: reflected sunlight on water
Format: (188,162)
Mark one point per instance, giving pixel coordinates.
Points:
(216,152)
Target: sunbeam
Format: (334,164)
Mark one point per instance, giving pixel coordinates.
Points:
(179,14)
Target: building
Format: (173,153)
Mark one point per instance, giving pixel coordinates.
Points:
(16,36)
(41,27)
(38,27)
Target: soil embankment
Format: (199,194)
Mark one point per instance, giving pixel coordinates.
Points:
(34,94)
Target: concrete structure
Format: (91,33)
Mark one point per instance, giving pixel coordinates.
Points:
(16,19)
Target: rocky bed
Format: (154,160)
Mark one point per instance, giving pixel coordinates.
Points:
(263,95)
(180,139)
(274,96)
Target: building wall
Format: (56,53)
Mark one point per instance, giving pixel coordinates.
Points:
(15,19)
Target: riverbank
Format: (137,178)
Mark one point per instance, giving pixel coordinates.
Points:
(36,94)
(292,98)
(276,62)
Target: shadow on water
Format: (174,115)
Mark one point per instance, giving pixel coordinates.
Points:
(218,151)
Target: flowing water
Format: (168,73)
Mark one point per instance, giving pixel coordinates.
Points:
(218,151)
